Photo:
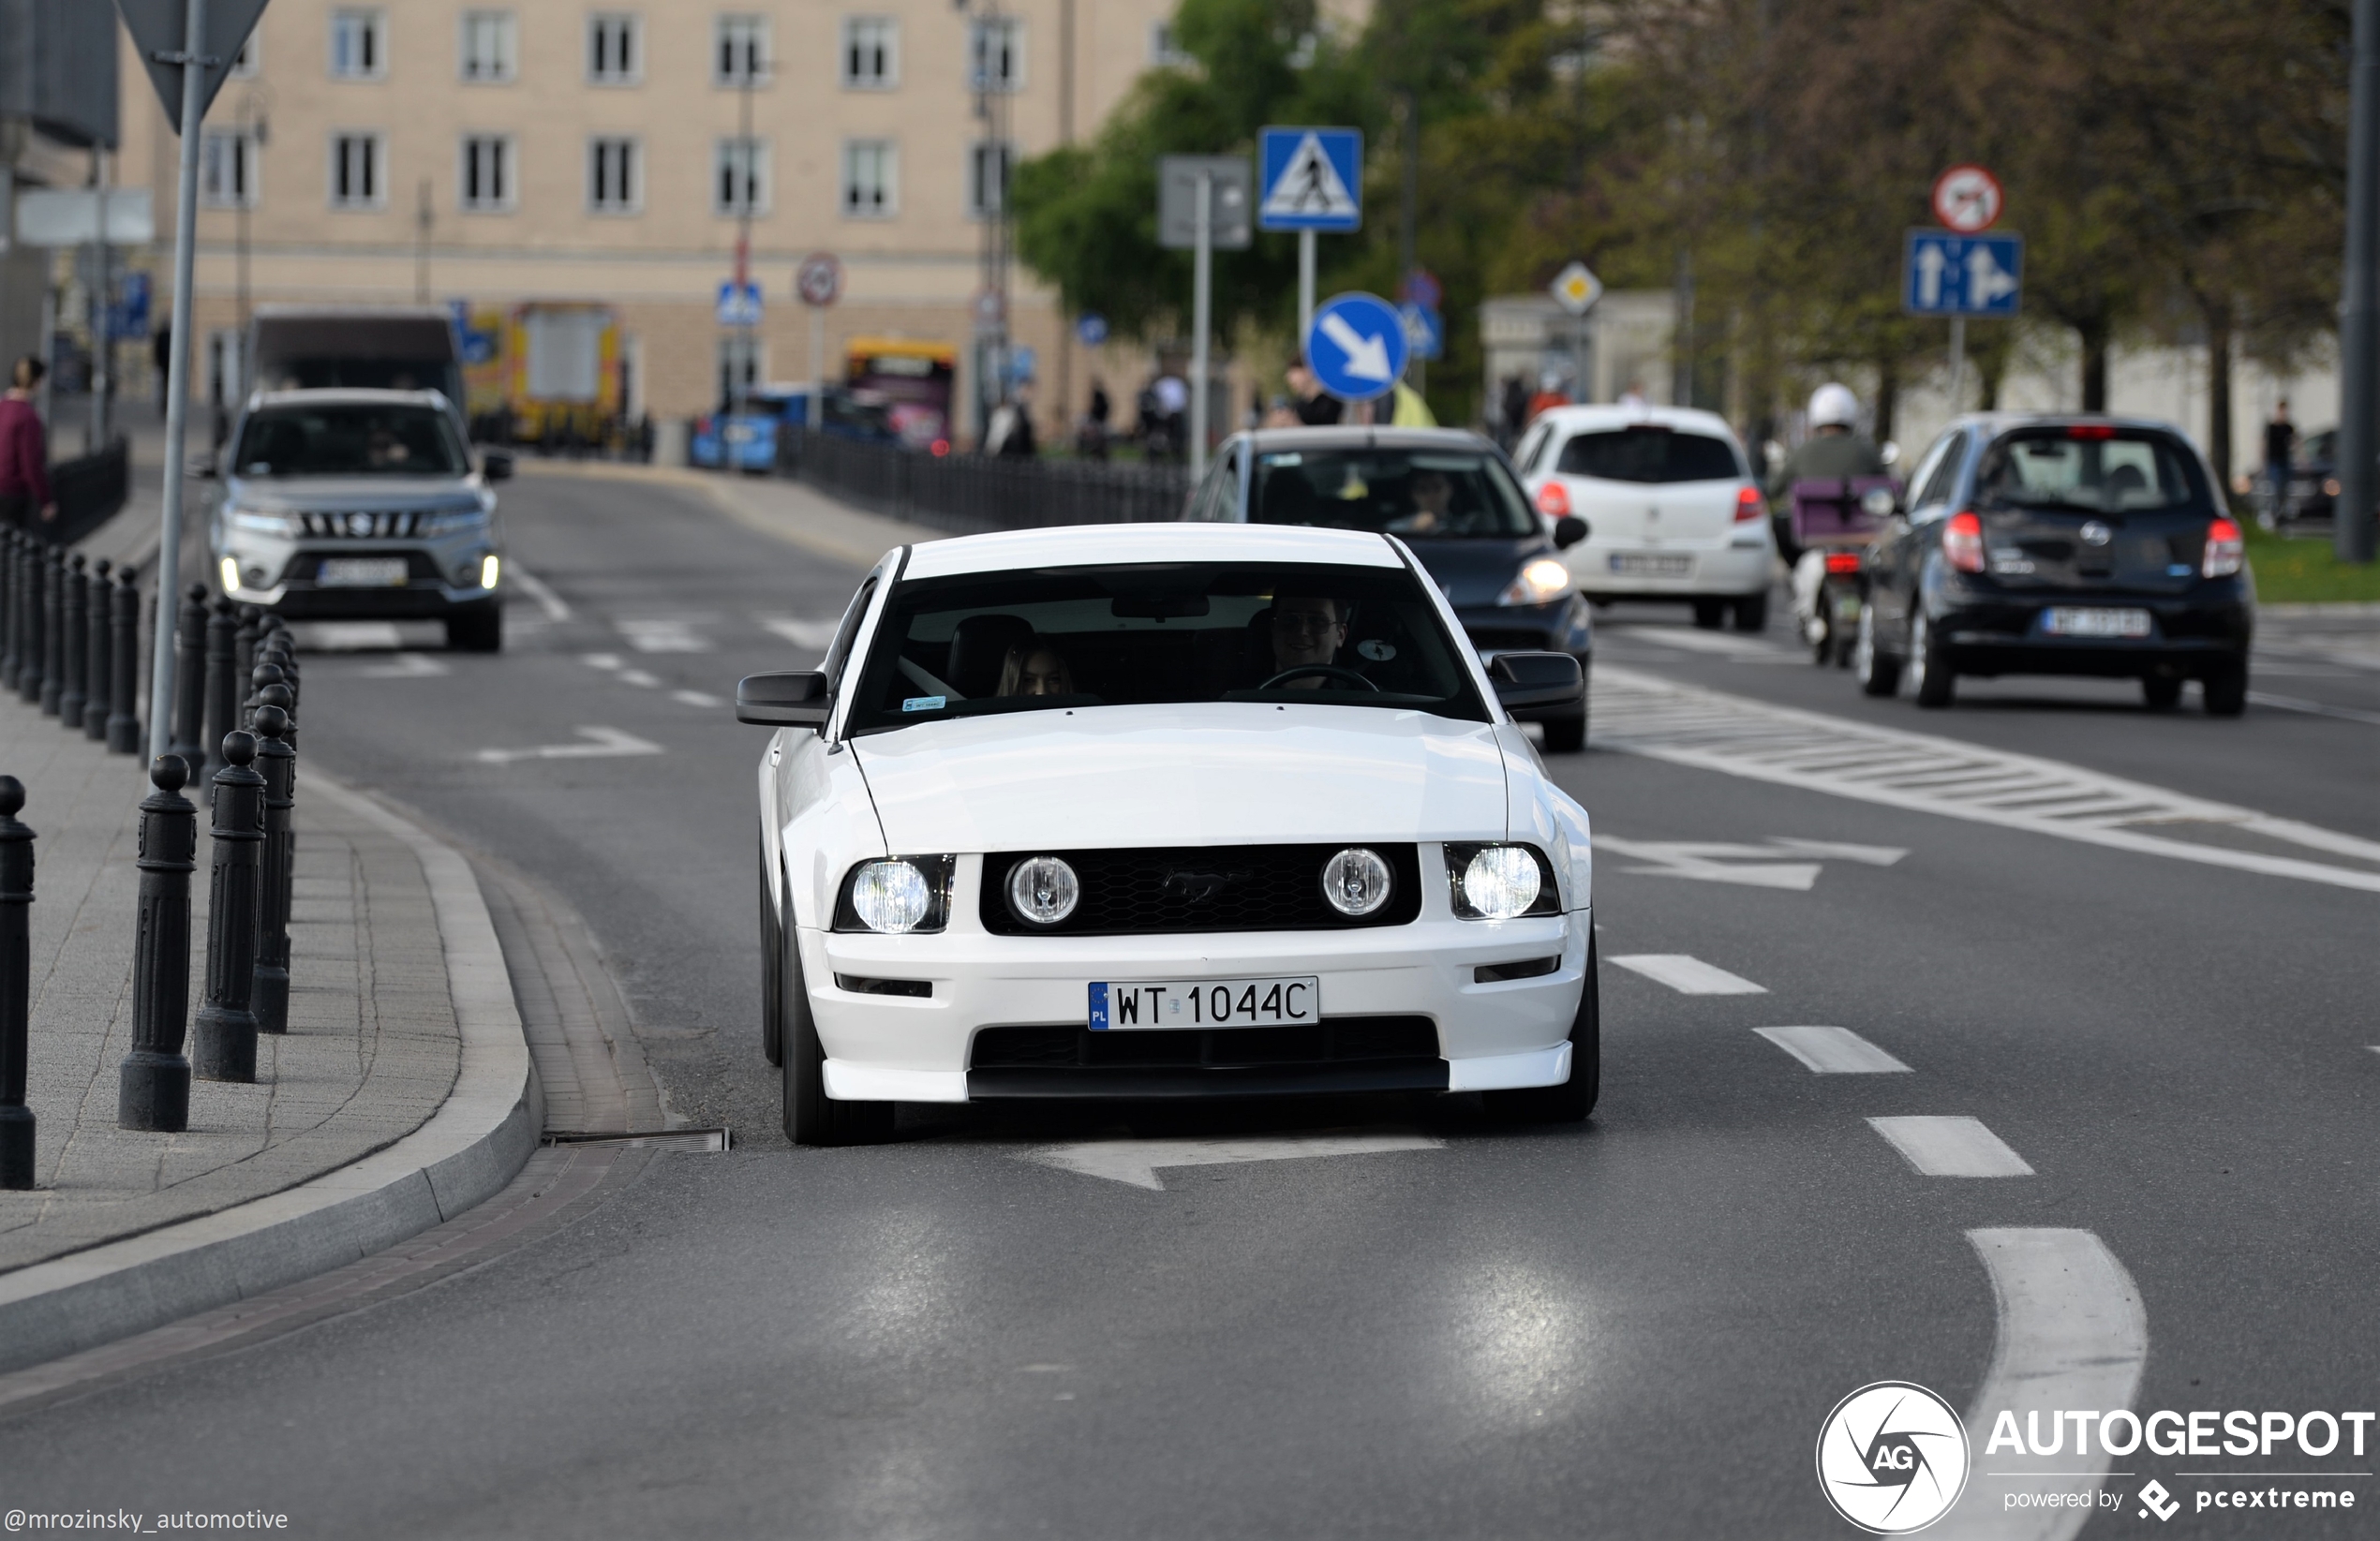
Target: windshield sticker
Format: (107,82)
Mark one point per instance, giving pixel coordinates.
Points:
(924,703)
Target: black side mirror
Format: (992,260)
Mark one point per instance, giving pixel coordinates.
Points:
(793,699)
(496,466)
(1532,684)
(1569,531)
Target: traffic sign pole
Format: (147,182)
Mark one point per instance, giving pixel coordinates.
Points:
(1306,282)
(1957,364)
(1201,304)
(177,376)
(817,414)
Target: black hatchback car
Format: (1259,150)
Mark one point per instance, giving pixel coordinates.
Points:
(1449,494)
(2060,545)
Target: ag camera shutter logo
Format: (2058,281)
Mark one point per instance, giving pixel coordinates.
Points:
(1892,1458)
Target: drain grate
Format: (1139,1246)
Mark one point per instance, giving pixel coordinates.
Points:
(656,1140)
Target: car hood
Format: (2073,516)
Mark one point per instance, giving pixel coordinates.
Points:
(1205,773)
(1475,571)
(346,493)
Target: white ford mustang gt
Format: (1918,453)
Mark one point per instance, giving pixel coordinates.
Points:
(1165,811)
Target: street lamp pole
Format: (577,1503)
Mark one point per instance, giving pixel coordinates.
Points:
(747,173)
(2360,302)
(987,48)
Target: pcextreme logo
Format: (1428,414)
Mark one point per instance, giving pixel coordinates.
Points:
(1892,1458)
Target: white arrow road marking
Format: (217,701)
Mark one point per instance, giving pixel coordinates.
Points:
(818,635)
(607,743)
(1952,1148)
(406,666)
(1701,860)
(1135,1162)
(1832,1051)
(1688,975)
(556,609)
(664,635)
(1844,851)
(2072,1334)
(1367,357)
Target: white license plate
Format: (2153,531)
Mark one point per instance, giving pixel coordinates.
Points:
(362,573)
(2074,621)
(1641,564)
(1206,1004)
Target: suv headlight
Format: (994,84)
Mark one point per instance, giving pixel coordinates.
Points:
(1500,882)
(453,522)
(896,895)
(1543,580)
(259,522)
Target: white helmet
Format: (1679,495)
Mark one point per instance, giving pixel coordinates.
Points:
(1833,406)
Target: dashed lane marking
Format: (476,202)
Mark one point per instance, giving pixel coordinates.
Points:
(815,635)
(1951,1147)
(2070,1333)
(664,634)
(602,660)
(1688,975)
(602,743)
(1832,1051)
(702,699)
(556,609)
(1711,730)
(639,678)
(1135,1162)
(2314,709)
(406,666)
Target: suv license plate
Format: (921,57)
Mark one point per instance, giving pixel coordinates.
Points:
(362,573)
(1206,1003)
(1647,565)
(2066,621)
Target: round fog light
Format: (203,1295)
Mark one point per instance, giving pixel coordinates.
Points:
(891,897)
(1357,881)
(1502,881)
(1043,890)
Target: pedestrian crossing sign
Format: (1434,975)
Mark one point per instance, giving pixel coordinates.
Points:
(1313,179)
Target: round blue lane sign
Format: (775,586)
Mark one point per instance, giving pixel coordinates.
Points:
(1092,328)
(1358,346)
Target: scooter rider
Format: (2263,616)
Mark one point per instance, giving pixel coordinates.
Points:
(1835,449)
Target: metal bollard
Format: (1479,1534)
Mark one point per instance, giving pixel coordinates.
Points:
(265,672)
(74,623)
(279,763)
(223,1034)
(243,644)
(53,620)
(33,686)
(11,604)
(189,676)
(223,687)
(153,1088)
(99,669)
(16,985)
(124,712)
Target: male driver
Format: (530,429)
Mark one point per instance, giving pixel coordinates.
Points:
(1307,633)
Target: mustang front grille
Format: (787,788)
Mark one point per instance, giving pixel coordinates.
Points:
(1333,1040)
(1202,888)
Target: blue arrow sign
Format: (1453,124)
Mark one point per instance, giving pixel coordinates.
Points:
(1425,329)
(1358,346)
(1310,179)
(1946,274)
(739,310)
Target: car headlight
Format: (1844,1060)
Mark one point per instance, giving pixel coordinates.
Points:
(896,895)
(1043,890)
(1543,580)
(453,522)
(259,522)
(1501,882)
(1357,881)
(491,568)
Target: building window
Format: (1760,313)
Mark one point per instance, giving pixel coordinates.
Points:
(872,179)
(485,177)
(359,44)
(226,168)
(739,179)
(615,175)
(1164,52)
(740,53)
(244,64)
(615,49)
(871,53)
(741,355)
(487,52)
(988,167)
(355,171)
(996,54)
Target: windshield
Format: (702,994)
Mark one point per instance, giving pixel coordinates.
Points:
(2088,469)
(1070,638)
(1649,452)
(351,439)
(1419,495)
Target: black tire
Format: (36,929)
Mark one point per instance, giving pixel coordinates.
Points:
(1710,614)
(1566,734)
(812,1117)
(1877,671)
(2227,691)
(476,629)
(1574,1099)
(2161,694)
(772,972)
(1931,677)
(1750,613)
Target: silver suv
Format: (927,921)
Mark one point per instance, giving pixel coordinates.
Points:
(362,505)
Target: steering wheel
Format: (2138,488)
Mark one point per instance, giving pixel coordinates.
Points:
(1327,669)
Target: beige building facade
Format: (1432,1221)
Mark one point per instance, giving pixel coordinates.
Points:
(510,152)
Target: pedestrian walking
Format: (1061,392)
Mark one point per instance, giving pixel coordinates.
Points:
(26,502)
(1315,407)
(161,356)
(2281,447)
(1091,439)
(1516,411)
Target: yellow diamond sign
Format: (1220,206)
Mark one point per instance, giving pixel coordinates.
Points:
(1577,289)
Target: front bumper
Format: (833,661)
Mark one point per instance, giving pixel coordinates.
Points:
(440,578)
(883,1047)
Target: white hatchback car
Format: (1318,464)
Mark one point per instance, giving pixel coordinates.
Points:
(1672,509)
(1165,811)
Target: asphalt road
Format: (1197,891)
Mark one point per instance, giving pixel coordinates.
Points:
(1631,1328)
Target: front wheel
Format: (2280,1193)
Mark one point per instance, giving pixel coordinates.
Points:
(812,1117)
(1574,1099)
(1929,673)
(1878,671)
(772,972)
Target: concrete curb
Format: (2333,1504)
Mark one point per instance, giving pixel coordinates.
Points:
(470,1148)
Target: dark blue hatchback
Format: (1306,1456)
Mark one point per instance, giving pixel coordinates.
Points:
(1449,494)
